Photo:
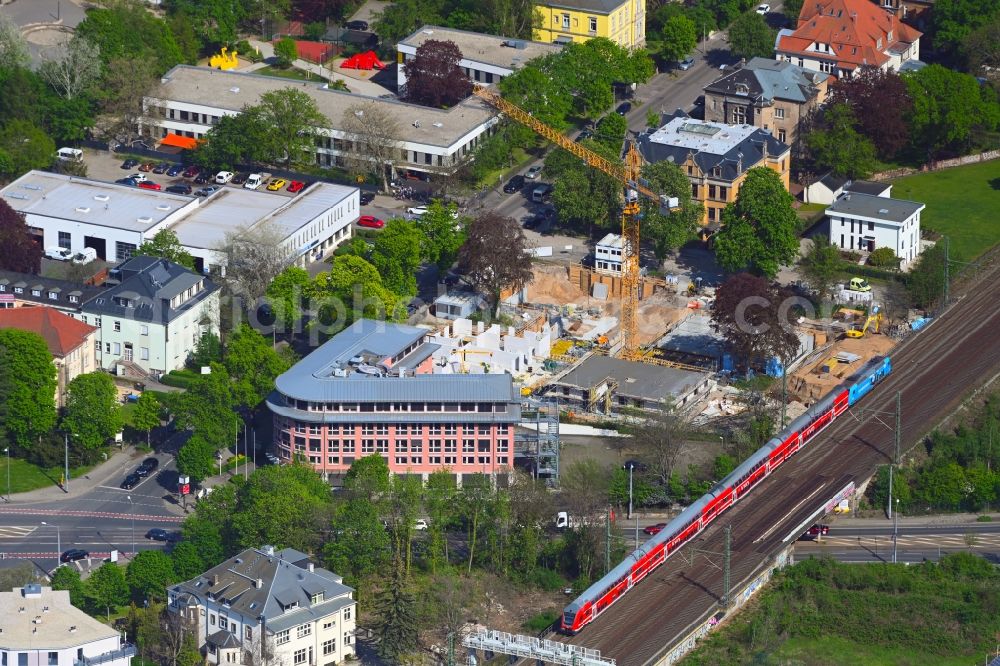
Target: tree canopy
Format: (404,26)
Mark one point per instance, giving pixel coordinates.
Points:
(27,387)
(27,147)
(252,364)
(493,257)
(839,147)
(759,228)
(93,415)
(669,231)
(208,408)
(947,107)
(678,37)
(751,37)
(433,76)
(443,232)
(166,245)
(821,265)
(397,255)
(751,313)
(880,103)
(18,250)
(350,290)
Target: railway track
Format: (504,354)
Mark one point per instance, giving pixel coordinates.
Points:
(934,371)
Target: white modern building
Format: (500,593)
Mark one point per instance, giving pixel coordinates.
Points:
(263,599)
(114,220)
(153,317)
(485,58)
(608,255)
(40,627)
(864,222)
(190,100)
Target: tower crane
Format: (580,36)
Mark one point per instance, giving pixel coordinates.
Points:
(628,174)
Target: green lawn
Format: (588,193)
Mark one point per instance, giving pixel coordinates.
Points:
(290,73)
(24,476)
(962,203)
(833,650)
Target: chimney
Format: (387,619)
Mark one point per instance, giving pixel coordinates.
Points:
(312,567)
(259,583)
(215,579)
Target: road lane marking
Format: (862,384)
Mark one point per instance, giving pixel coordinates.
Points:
(15,532)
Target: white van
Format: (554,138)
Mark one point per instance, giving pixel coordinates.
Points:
(85,256)
(541,193)
(254,181)
(70,154)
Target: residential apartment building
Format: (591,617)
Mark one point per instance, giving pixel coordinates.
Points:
(566,21)
(773,95)
(864,222)
(715,157)
(70,342)
(25,290)
(374,388)
(266,601)
(113,220)
(916,12)
(838,37)
(153,317)
(485,58)
(190,100)
(608,254)
(40,627)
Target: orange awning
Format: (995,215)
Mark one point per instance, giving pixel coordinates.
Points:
(178,141)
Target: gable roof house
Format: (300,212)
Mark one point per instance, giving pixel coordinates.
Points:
(839,37)
(151,320)
(773,95)
(263,599)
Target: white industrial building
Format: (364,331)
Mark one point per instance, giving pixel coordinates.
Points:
(865,223)
(485,58)
(608,255)
(190,100)
(114,220)
(40,627)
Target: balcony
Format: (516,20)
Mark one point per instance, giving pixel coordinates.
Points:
(126,652)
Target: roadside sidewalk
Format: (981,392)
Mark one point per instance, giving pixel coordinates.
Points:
(104,474)
(933,520)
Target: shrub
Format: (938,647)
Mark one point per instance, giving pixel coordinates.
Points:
(545,579)
(884,257)
(984,519)
(541,621)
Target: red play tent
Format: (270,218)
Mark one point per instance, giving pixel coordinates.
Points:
(366,60)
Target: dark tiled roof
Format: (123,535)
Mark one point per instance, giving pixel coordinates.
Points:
(63,288)
(868,187)
(833,182)
(763,80)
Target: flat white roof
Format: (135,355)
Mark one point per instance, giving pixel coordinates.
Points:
(92,201)
(59,624)
(702,136)
(611,240)
(479,47)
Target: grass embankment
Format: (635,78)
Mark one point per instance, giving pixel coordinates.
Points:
(25,476)
(961,203)
(289,73)
(823,612)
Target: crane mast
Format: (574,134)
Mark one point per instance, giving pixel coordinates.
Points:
(628,174)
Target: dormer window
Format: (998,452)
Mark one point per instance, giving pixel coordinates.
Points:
(316,598)
(742,89)
(53,295)
(889,36)
(36,292)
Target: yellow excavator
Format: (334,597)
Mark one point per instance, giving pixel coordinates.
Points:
(874,317)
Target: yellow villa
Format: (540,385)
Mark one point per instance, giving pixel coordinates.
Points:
(565,21)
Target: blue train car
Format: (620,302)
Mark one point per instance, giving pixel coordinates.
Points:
(862,381)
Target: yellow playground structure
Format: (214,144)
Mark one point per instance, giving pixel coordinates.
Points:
(224,60)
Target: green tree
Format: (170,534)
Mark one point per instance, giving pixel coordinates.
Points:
(236,140)
(982,46)
(287,295)
(350,290)
(204,531)
(533,89)
(759,231)
(107,587)
(68,578)
(207,351)
(493,257)
(439,500)
(442,234)
(583,196)
(678,37)
(751,37)
(947,107)
(166,245)
(669,230)
(286,52)
(926,280)
(27,387)
(19,251)
(792,9)
(587,70)
(208,408)
(282,505)
(128,30)
(93,414)
(953,20)
(293,119)
(187,561)
(821,265)
(196,458)
(13,47)
(942,486)
(396,255)
(146,415)
(360,545)
(397,625)
(402,17)
(27,146)
(839,147)
(884,257)
(368,477)
(611,131)
(253,364)
(148,575)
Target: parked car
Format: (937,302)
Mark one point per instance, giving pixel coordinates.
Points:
(860,284)
(191,171)
(654,529)
(150,464)
(206,191)
(175,170)
(178,189)
(141,472)
(686,64)
(367,198)
(533,222)
(85,256)
(817,530)
(203,177)
(585,134)
(623,108)
(370,221)
(58,253)
(131,182)
(131,481)
(296,186)
(173,537)
(514,184)
(224,177)
(361,26)
(763,9)
(162,167)
(150,185)
(146,166)
(420,524)
(416,211)
(253,181)
(130,163)
(534,172)
(276,184)
(158,534)
(74,554)
(240,178)
(138,177)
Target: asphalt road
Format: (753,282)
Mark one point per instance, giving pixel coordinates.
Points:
(909,548)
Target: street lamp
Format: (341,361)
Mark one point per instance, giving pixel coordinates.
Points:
(7,451)
(58,543)
(131,505)
(895,530)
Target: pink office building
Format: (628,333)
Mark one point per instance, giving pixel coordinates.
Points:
(372,389)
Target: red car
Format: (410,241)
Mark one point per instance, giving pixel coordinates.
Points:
(191,172)
(654,529)
(149,185)
(296,186)
(148,166)
(370,221)
(818,530)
